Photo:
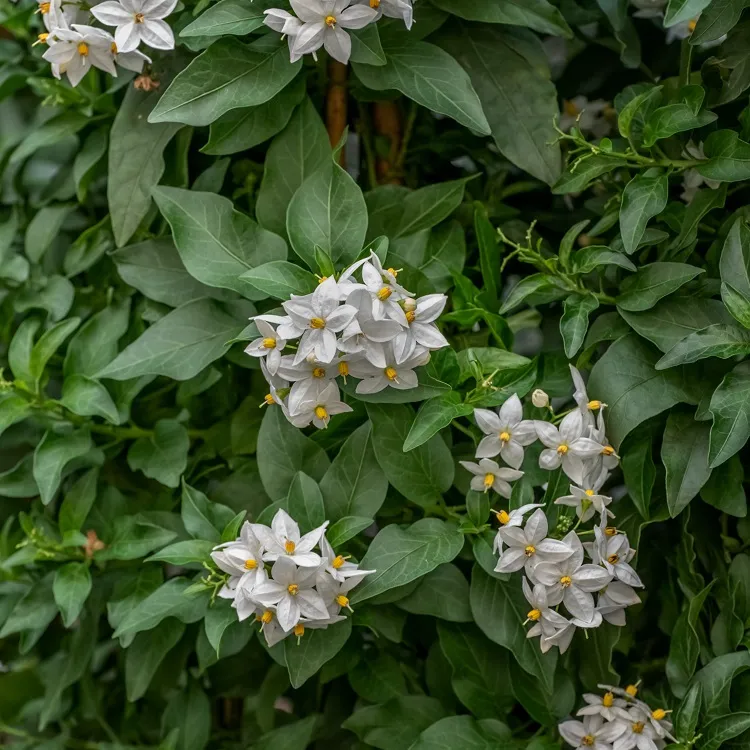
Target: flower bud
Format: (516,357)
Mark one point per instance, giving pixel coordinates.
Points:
(540,399)
(410,304)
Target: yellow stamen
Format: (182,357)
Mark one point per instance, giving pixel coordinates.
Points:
(268,398)
(632,690)
(317,323)
(320,412)
(608,450)
(299,630)
(613,559)
(266,617)
(331,21)
(251,564)
(610,530)
(342,601)
(692,24)
(562,449)
(42,37)
(659,714)
(321,279)
(410,316)
(344,368)
(374,4)
(594,405)
(390,373)
(269,343)
(590,493)
(565,581)
(83,49)
(608,700)
(529,550)
(319,372)
(44,8)
(290,546)
(113,48)
(502,516)
(534,615)
(588,740)
(138,18)
(338,562)
(489,480)
(384,293)
(293,589)
(570,108)
(392,271)
(504,436)
(638,727)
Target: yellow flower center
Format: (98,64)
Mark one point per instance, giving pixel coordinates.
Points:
(590,493)
(570,108)
(113,48)
(293,589)
(391,373)
(251,564)
(534,615)
(489,480)
(608,450)
(320,412)
(638,727)
(42,37)
(594,405)
(632,690)
(290,546)
(608,700)
(268,398)
(565,581)
(384,293)
(83,49)
(613,559)
(502,516)
(317,323)
(299,630)
(269,343)
(319,372)
(338,561)
(374,4)
(610,530)
(587,740)
(659,714)
(562,449)
(266,617)
(138,18)
(392,271)
(331,21)
(692,23)
(44,8)
(342,601)
(343,368)
(504,436)
(321,279)
(410,316)
(529,550)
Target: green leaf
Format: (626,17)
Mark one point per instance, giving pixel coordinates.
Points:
(674,118)
(719,18)
(36,609)
(163,455)
(354,485)
(87,159)
(728,156)
(43,229)
(719,340)
(367,47)
(202,518)
(736,303)
(49,342)
(644,197)
(734,264)
(315,648)
(228,75)
(684,645)
(533,14)
(400,556)
(725,492)
(78,502)
(304,503)
(216,243)
(19,351)
(429,76)
(625,379)
(716,679)
(582,172)
(589,258)
(327,211)
(347,528)
(443,593)
(679,11)
(650,283)
(71,587)
(50,133)
(87,398)
(13,408)
(292,736)
(52,455)
(463,732)
(377,678)
(703,201)
(538,285)
(519,101)
(684,453)
(596,656)
(133,169)
(241,129)
(624,30)
(184,553)
(228,17)
(188,714)
(688,712)
(296,153)
(134,536)
(640,473)
(179,345)
(724,728)
(283,451)
(146,654)
(730,409)
(435,414)
(575,321)
(422,474)
(280,279)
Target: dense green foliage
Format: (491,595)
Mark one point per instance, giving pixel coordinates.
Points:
(142,226)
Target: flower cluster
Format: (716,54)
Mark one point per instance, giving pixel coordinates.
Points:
(74,46)
(275,576)
(555,572)
(617,720)
(322,23)
(373,330)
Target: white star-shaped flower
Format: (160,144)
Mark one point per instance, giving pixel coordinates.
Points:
(421,330)
(269,345)
(489,476)
(242,559)
(73,52)
(137,21)
(506,431)
(593,733)
(566,446)
(393,375)
(283,539)
(316,402)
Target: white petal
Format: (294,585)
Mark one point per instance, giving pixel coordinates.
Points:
(338,44)
(157,34)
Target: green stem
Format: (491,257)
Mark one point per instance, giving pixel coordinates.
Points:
(408,132)
(686,55)
(466,431)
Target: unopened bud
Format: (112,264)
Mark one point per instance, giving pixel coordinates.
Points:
(410,304)
(540,399)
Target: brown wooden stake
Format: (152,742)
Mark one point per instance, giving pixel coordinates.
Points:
(336,105)
(387,122)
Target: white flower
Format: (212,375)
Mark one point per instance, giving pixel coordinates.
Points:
(134,60)
(393,375)
(566,446)
(421,330)
(601,705)
(581,397)
(507,432)
(324,24)
(540,612)
(291,590)
(592,733)
(318,317)
(613,601)
(657,718)
(385,291)
(488,475)
(636,733)
(571,582)
(334,593)
(615,554)
(540,399)
(607,458)
(337,566)
(137,21)
(550,636)
(512,518)
(316,402)
(57,15)
(283,539)
(589,117)
(286,24)
(393,9)
(269,345)
(529,546)
(75,50)
(365,334)
(308,369)
(586,499)
(242,559)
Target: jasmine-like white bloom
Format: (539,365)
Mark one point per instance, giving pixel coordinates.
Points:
(540,611)
(657,718)
(586,499)
(566,446)
(269,345)
(581,397)
(75,50)
(513,518)
(134,60)
(488,475)
(392,8)
(613,601)
(335,593)
(588,116)
(421,330)
(242,559)
(614,553)
(291,590)
(607,457)
(308,369)
(137,21)
(283,539)
(316,402)
(601,705)
(529,546)
(323,25)
(365,334)
(393,375)
(286,24)
(506,432)
(571,582)
(336,566)
(552,636)
(593,733)
(636,733)
(385,291)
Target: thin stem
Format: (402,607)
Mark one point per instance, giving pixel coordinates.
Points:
(686,55)
(408,132)
(466,431)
